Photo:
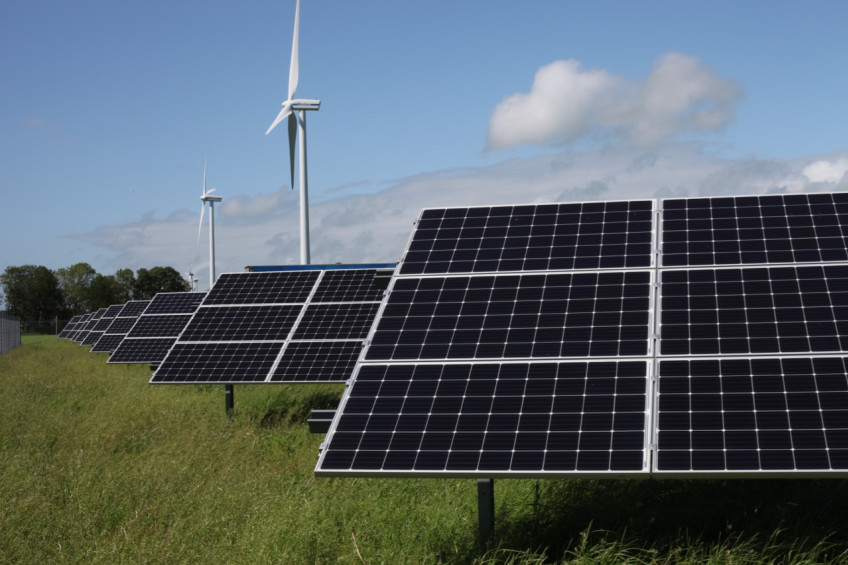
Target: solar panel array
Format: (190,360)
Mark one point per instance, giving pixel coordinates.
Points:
(98,329)
(678,336)
(120,326)
(157,328)
(88,326)
(70,327)
(301,325)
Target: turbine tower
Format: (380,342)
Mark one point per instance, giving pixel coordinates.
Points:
(295,110)
(211,199)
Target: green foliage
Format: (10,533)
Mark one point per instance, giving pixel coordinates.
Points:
(75,282)
(97,466)
(158,279)
(32,292)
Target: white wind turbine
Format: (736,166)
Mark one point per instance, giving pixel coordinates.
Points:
(207,196)
(295,111)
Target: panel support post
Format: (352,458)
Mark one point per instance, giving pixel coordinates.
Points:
(229,400)
(485,513)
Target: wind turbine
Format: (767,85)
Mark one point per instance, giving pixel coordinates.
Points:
(207,196)
(295,110)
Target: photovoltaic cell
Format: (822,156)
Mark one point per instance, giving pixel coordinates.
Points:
(298,325)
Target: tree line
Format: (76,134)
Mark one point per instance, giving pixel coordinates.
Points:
(38,294)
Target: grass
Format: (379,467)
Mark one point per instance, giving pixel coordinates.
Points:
(97,466)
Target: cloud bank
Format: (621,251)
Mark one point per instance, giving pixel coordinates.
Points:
(567,103)
(375,227)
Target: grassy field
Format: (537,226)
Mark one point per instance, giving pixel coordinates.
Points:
(97,466)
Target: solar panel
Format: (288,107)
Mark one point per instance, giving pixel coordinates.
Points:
(157,327)
(780,228)
(70,327)
(303,324)
(120,326)
(700,353)
(514,340)
(540,237)
(776,414)
(82,334)
(102,325)
(72,334)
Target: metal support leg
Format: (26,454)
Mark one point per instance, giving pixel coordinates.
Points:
(485,513)
(229,400)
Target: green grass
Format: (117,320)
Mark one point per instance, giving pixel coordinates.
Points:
(35,338)
(97,466)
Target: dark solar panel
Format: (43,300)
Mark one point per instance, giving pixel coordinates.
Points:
(70,327)
(493,418)
(120,325)
(515,316)
(82,334)
(174,303)
(146,350)
(217,362)
(102,325)
(303,325)
(594,235)
(753,414)
(755,310)
(158,325)
(262,288)
(324,361)
(107,343)
(792,228)
(336,321)
(80,325)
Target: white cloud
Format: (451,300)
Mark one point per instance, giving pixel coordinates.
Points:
(826,171)
(567,103)
(375,227)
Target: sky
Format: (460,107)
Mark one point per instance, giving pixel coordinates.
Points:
(108,111)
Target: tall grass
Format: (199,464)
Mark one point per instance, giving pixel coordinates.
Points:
(97,466)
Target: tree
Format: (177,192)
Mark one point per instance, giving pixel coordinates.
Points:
(126,285)
(32,292)
(103,292)
(158,279)
(74,281)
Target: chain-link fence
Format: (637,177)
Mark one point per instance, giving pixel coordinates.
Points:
(45,327)
(10,332)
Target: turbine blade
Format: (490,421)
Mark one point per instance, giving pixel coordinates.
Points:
(292,140)
(293,67)
(284,113)
(199,230)
(204,182)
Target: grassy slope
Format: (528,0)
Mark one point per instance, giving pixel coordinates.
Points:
(98,466)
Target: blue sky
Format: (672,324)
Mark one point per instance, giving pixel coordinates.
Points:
(108,109)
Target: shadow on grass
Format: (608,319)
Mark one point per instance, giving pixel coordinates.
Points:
(296,407)
(665,514)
